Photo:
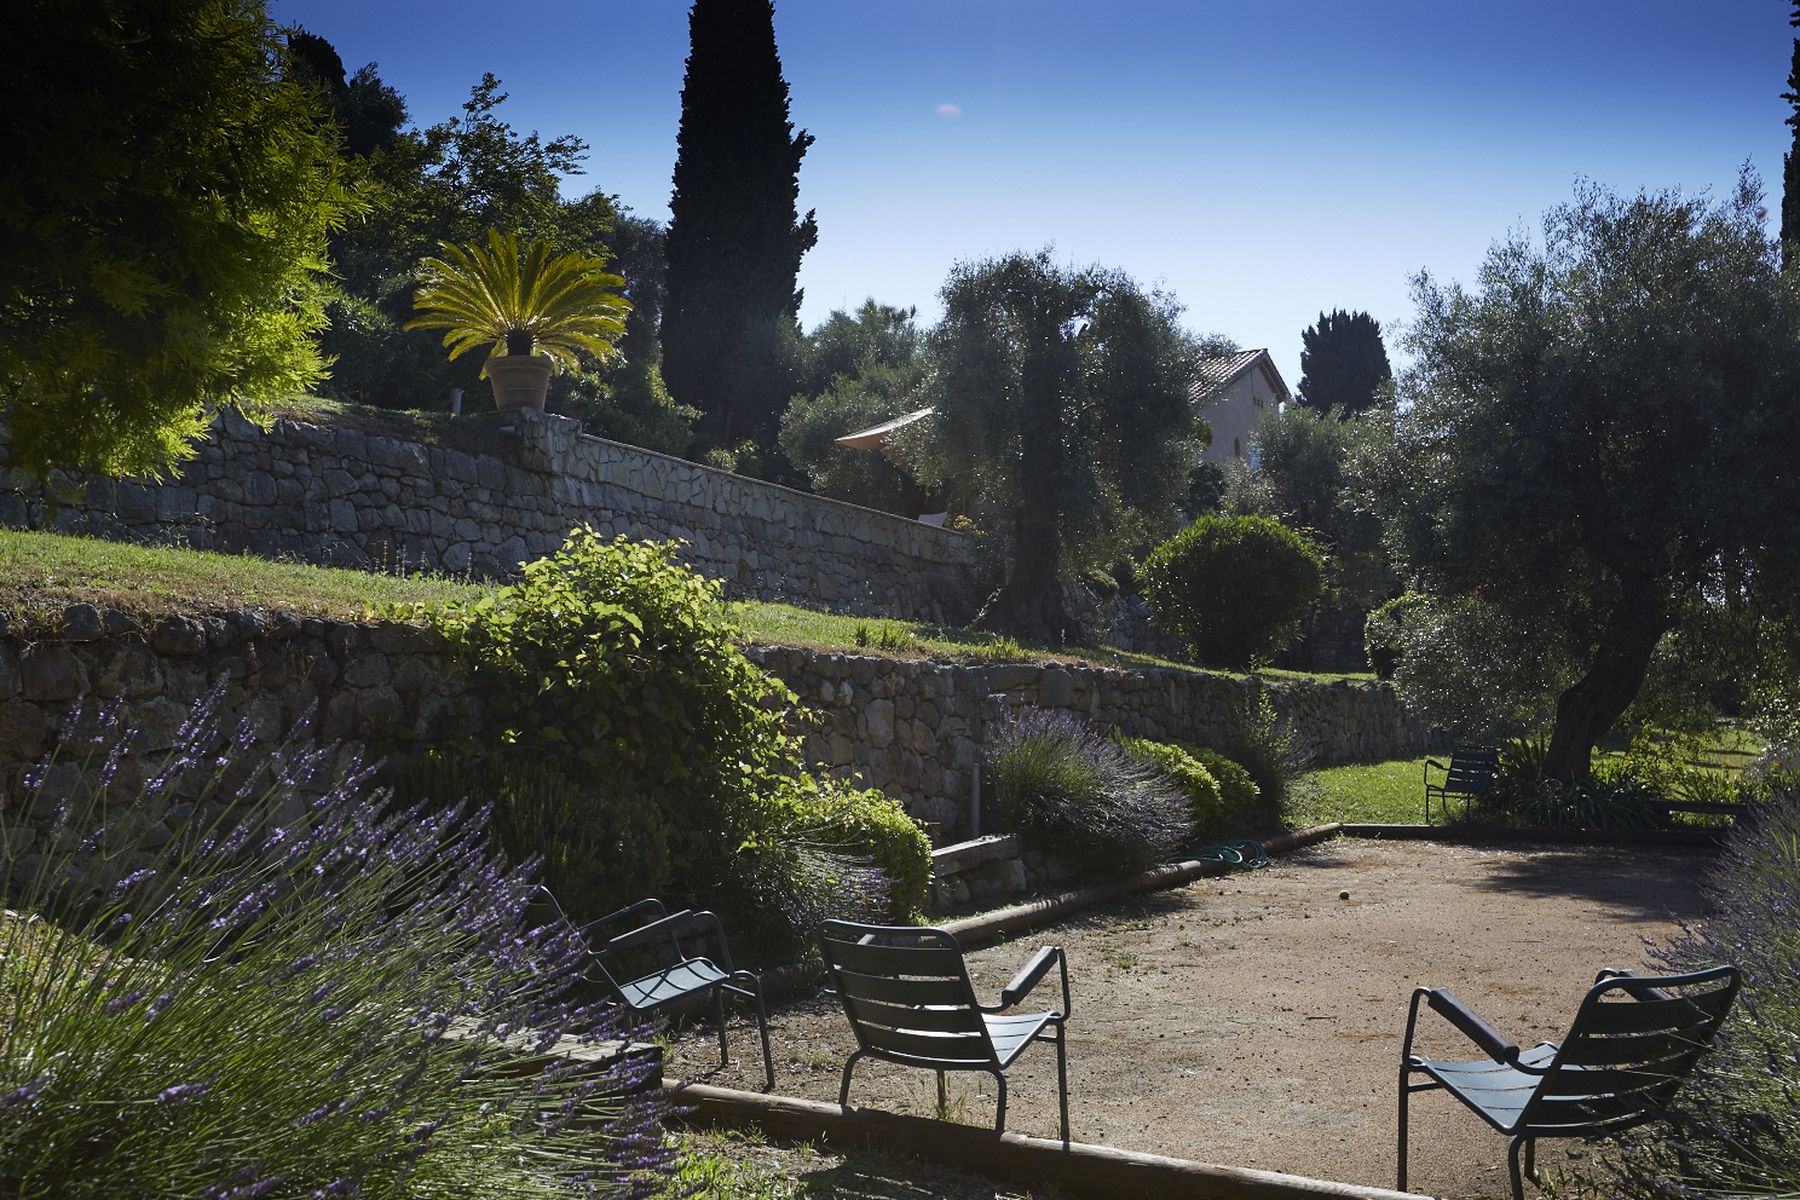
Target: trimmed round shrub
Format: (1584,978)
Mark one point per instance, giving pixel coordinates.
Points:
(1238,794)
(1233,588)
(1205,801)
(1062,785)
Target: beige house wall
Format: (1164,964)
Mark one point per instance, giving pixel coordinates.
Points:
(1232,415)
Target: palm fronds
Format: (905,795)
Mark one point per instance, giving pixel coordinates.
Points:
(530,302)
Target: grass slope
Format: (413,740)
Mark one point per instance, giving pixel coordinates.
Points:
(40,573)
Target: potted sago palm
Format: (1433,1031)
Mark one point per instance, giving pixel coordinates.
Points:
(533,309)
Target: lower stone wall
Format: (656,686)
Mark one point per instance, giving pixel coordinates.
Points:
(915,728)
(376,689)
(911,728)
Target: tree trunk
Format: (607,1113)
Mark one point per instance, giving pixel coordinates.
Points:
(1029,604)
(1587,710)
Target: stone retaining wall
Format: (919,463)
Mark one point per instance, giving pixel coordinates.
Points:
(912,728)
(915,728)
(339,496)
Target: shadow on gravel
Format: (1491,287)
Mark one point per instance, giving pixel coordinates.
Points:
(867,1176)
(1646,884)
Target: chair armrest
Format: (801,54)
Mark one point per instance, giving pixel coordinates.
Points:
(631,912)
(1493,1043)
(1032,974)
(667,928)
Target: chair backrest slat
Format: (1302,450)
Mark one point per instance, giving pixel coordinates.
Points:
(1634,1040)
(901,991)
(1470,770)
(1648,1016)
(953,1050)
(907,994)
(914,961)
(924,1018)
(1643,1048)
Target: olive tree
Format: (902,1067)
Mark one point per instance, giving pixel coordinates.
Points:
(1062,417)
(1596,440)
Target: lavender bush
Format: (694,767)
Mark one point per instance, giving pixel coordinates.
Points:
(302,993)
(1062,783)
(1738,1123)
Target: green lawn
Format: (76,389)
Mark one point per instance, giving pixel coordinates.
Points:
(1380,793)
(785,624)
(41,572)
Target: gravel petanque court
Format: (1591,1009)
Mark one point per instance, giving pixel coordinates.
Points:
(1255,1020)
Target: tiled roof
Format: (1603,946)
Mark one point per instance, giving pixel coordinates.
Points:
(1214,375)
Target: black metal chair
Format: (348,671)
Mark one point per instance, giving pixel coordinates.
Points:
(665,973)
(907,993)
(1469,774)
(1634,1040)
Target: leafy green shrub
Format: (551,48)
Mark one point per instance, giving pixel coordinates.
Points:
(1238,794)
(868,823)
(599,849)
(1058,782)
(1619,797)
(296,994)
(1206,804)
(1233,588)
(1737,1128)
(614,665)
(1264,743)
(783,882)
(1382,631)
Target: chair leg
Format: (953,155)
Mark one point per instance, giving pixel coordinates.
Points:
(719,1015)
(762,1023)
(1062,1080)
(1400,1153)
(1512,1164)
(1000,1105)
(1531,1159)
(844,1087)
(943,1097)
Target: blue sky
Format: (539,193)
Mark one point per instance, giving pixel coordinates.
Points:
(1260,160)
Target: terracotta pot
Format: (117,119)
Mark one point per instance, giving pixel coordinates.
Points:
(519,380)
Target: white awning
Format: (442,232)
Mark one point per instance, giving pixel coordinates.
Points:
(875,436)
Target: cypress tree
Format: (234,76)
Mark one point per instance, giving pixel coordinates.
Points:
(734,243)
(1790,162)
(1342,363)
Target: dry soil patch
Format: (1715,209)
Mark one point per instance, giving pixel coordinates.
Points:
(1255,1020)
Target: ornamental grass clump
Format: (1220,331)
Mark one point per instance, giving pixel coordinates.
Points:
(1070,789)
(304,991)
(1737,1124)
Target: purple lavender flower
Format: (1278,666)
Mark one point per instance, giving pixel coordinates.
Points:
(25,1093)
(183,1092)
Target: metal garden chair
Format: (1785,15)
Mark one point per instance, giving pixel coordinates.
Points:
(907,993)
(1634,1040)
(662,972)
(1469,774)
